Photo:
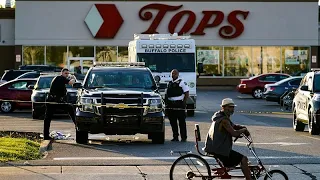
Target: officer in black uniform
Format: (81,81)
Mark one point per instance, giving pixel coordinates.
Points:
(176,97)
(57,99)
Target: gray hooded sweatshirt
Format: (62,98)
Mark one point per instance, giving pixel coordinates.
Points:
(218,140)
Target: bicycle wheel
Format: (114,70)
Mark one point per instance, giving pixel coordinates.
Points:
(276,175)
(190,166)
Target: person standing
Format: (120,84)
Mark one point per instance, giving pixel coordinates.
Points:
(176,97)
(57,100)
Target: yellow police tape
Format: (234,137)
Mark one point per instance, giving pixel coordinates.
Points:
(117,106)
(124,106)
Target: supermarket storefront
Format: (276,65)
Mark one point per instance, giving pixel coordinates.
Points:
(234,39)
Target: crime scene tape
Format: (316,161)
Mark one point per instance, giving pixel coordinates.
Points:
(124,106)
(117,106)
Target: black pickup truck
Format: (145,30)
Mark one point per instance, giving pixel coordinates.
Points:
(119,100)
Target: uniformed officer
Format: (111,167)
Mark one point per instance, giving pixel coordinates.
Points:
(176,97)
(57,95)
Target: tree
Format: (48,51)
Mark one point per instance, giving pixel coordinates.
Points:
(33,54)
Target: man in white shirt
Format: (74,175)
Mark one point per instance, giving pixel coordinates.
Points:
(176,98)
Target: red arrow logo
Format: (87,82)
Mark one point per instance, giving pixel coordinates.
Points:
(104,20)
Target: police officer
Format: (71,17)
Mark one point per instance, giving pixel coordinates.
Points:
(57,99)
(176,97)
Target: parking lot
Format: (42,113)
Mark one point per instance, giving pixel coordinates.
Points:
(275,140)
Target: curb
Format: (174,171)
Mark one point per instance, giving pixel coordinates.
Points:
(45,146)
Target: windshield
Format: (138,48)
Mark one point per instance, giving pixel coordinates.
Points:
(45,82)
(161,62)
(317,83)
(120,79)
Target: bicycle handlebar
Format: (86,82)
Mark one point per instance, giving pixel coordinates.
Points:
(243,135)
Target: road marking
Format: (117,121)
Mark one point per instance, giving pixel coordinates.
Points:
(171,158)
(278,143)
(311,137)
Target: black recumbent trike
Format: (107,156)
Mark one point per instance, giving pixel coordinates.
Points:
(193,166)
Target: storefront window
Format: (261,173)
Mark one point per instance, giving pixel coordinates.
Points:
(266,59)
(209,59)
(33,55)
(56,55)
(295,60)
(237,61)
(122,54)
(106,53)
(81,51)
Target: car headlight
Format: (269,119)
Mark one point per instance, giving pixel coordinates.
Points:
(86,104)
(154,106)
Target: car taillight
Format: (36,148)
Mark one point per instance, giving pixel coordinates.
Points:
(242,85)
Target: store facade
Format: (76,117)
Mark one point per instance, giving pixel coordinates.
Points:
(234,39)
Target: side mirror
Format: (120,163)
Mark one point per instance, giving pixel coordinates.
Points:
(31,87)
(157,79)
(77,85)
(304,88)
(200,68)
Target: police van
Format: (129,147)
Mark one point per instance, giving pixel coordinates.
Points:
(163,52)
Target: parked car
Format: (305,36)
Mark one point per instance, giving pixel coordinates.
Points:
(14,91)
(40,92)
(273,92)
(43,68)
(255,85)
(11,74)
(306,104)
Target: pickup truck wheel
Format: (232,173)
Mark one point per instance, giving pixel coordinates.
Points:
(297,125)
(313,129)
(190,110)
(158,138)
(82,137)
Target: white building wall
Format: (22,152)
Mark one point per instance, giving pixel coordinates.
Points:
(268,23)
(7,32)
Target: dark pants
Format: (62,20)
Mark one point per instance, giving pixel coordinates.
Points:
(174,116)
(50,109)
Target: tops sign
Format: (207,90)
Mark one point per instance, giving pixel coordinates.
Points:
(233,30)
(104,20)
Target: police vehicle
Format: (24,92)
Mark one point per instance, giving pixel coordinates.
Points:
(119,99)
(40,92)
(164,52)
(306,103)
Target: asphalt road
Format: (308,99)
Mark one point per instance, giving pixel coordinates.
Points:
(275,141)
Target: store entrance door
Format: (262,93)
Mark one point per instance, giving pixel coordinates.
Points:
(79,66)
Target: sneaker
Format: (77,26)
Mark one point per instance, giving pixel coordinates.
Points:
(175,139)
(184,140)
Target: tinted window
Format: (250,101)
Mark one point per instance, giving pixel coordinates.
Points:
(283,77)
(317,83)
(295,82)
(120,79)
(19,85)
(161,62)
(268,78)
(10,75)
(29,75)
